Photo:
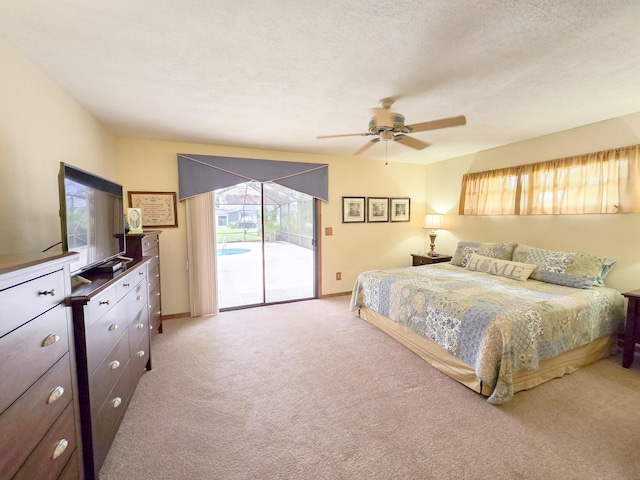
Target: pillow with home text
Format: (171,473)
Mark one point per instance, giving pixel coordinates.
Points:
(503,268)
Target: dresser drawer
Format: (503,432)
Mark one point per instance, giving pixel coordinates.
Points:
(149,242)
(71,471)
(139,274)
(155,258)
(140,358)
(154,277)
(50,456)
(25,422)
(138,328)
(125,285)
(43,341)
(110,415)
(103,335)
(100,305)
(27,300)
(154,296)
(108,372)
(155,311)
(138,297)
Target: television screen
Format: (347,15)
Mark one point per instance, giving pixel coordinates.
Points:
(92,217)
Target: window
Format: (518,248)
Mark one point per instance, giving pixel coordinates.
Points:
(602,182)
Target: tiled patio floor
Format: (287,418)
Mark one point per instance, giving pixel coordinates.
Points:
(289,273)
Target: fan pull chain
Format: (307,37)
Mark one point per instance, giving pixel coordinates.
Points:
(386,152)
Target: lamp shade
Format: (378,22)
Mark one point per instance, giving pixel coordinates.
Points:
(432,221)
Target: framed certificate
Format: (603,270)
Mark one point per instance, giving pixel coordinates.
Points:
(158,209)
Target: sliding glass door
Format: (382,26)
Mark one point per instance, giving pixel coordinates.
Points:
(265,245)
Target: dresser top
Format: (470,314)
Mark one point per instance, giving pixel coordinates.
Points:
(13,262)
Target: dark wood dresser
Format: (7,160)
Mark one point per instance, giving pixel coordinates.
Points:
(147,244)
(39,424)
(111,330)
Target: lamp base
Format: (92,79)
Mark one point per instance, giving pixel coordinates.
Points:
(432,236)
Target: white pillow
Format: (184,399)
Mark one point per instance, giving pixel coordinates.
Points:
(503,268)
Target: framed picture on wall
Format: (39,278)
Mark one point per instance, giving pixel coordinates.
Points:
(158,208)
(353,210)
(377,209)
(400,209)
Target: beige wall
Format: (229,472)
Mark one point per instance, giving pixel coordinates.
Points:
(149,165)
(615,236)
(40,126)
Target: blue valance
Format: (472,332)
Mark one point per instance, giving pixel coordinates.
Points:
(205,173)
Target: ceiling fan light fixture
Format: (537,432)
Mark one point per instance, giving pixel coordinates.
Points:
(388,125)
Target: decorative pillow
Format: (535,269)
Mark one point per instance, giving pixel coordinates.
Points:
(607,266)
(463,252)
(504,268)
(578,270)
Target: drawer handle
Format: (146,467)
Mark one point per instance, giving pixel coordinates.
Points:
(158,294)
(116,402)
(115,364)
(140,326)
(140,273)
(50,340)
(61,446)
(157,275)
(56,394)
(139,297)
(126,285)
(141,353)
(150,327)
(113,326)
(51,292)
(103,302)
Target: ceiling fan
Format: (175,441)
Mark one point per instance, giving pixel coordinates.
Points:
(388,125)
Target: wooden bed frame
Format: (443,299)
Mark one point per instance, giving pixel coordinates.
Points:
(452,366)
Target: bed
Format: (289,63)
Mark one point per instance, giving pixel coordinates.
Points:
(501,317)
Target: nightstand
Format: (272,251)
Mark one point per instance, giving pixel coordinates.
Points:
(426,259)
(631,328)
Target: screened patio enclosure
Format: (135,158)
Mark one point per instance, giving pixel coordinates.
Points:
(265,244)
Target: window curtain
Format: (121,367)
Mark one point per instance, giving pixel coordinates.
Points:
(201,255)
(602,182)
(492,192)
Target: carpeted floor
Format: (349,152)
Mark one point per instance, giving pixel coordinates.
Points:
(307,390)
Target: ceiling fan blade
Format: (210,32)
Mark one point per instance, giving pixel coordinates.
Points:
(345,135)
(410,142)
(383,116)
(367,146)
(435,124)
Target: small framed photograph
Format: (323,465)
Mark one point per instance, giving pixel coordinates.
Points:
(377,209)
(158,208)
(134,219)
(400,209)
(353,210)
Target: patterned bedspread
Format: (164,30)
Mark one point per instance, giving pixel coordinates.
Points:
(496,325)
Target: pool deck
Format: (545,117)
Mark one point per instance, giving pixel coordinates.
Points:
(289,273)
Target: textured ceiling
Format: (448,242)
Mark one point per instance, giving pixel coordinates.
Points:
(276,74)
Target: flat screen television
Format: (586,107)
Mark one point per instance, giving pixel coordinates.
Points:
(92,218)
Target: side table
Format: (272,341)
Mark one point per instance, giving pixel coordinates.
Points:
(631,328)
(426,259)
